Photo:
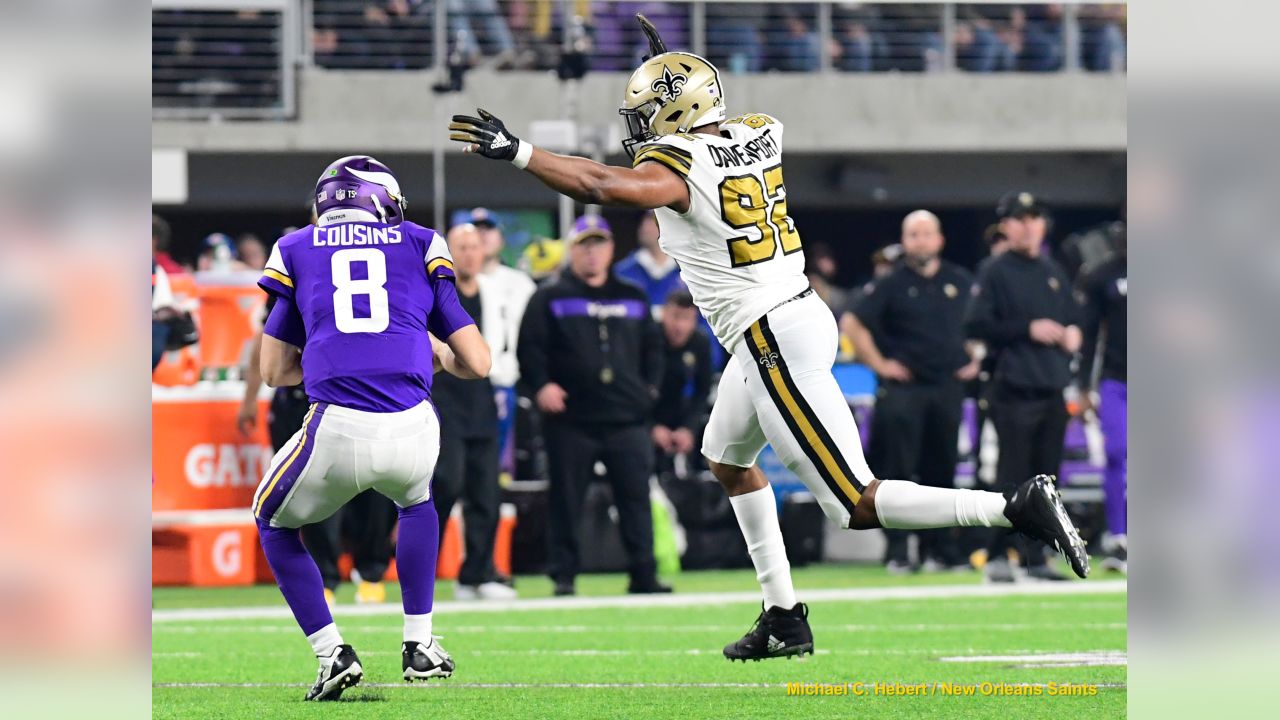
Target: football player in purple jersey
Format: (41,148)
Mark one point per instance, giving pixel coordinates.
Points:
(366,312)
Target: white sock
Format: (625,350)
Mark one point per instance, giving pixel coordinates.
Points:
(908,506)
(757,513)
(325,640)
(417,628)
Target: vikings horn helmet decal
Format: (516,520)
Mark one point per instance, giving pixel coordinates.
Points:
(362,184)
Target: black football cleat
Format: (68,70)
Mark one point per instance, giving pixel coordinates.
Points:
(338,672)
(425,662)
(1036,510)
(776,633)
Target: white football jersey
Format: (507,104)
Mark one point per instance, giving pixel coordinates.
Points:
(738,251)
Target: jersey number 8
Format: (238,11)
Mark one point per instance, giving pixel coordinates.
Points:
(373,286)
(746,202)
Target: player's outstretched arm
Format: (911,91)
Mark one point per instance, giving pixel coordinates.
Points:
(644,187)
(647,186)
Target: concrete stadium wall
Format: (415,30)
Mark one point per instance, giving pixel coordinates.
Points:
(843,180)
(842,113)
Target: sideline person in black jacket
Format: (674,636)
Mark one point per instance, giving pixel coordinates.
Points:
(591,353)
(1025,310)
(908,328)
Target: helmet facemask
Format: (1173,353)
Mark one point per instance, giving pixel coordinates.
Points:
(637,125)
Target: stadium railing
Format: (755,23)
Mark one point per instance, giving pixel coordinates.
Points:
(776,35)
(234,59)
(237,58)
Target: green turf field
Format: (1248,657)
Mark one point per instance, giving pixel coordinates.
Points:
(609,662)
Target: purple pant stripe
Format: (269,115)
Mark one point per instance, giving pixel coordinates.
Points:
(292,467)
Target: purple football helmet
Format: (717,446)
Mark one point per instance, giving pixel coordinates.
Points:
(359,182)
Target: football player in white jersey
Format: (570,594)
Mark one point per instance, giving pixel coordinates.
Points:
(716,186)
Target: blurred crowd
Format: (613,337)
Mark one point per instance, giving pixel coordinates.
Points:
(218,252)
(233,49)
(741,37)
(607,368)
(215,58)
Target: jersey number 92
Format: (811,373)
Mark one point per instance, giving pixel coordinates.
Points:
(746,202)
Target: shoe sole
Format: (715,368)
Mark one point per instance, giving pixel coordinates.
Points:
(788,653)
(425,675)
(334,688)
(1074,551)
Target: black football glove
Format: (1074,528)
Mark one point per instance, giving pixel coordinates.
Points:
(485,135)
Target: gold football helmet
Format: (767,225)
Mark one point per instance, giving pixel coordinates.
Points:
(671,92)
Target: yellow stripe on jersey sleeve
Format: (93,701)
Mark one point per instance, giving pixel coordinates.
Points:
(678,160)
(278,277)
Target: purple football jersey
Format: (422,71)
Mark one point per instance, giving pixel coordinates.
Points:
(364,294)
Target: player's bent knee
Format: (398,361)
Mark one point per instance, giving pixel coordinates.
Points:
(864,515)
(737,480)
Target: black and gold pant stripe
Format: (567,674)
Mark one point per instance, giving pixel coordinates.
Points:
(673,157)
(813,438)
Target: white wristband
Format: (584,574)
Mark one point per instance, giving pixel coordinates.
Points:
(523,153)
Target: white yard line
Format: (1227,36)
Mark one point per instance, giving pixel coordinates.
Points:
(288,627)
(1049,660)
(449,684)
(1103,657)
(674,600)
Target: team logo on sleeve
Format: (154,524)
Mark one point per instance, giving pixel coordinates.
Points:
(670,85)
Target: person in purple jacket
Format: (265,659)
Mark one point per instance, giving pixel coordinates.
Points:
(366,312)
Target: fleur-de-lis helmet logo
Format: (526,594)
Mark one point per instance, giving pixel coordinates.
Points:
(670,85)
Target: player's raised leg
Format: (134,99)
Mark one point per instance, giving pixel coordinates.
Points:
(731,443)
(804,415)
(277,506)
